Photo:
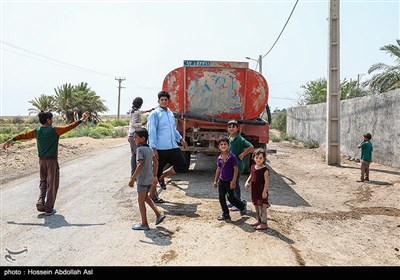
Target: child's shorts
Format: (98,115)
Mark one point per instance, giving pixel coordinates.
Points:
(141,188)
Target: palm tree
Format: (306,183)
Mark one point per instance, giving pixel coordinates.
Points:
(43,103)
(389,77)
(87,100)
(64,102)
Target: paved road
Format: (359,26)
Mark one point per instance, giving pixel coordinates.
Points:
(96,210)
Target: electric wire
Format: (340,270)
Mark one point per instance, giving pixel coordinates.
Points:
(294,7)
(55,60)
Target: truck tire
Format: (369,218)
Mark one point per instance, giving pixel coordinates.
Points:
(186,155)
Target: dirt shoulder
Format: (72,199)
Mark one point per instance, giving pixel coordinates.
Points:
(21,159)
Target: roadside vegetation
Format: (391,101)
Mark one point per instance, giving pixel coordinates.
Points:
(110,127)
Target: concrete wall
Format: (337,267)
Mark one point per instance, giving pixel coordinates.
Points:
(377,114)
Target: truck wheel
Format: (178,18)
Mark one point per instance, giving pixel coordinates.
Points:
(186,155)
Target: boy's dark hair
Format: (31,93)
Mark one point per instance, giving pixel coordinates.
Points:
(137,103)
(142,132)
(43,116)
(368,135)
(260,151)
(164,94)
(224,139)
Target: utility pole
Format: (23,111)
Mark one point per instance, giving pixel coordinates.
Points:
(259,62)
(119,92)
(333,90)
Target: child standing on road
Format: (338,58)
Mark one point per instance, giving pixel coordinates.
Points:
(240,147)
(146,175)
(135,122)
(225,180)
(47,137)
(259,177)
(366,157)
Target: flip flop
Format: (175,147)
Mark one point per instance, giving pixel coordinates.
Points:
(158,200)
(160,219)
(163,185)
(139,227)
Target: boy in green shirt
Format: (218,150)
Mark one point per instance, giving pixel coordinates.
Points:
(240,147)
(47,137)
(366,157)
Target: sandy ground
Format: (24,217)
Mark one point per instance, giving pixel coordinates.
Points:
(320,215)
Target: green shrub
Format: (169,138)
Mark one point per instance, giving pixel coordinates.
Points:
(119,122)
(119,133)
(311,144)
(274,138)
(33,120)
(80,131)
(287,137)
(17,120)
(279,121)
(95,134)
(107,125)
(103,131)
(5,137)
(7,130)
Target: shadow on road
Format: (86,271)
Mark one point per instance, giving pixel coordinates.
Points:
(180,209)
(373,169)
(52,222)
(245,226)
(200,180)
(159,237)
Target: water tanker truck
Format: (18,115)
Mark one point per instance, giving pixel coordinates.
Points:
(205,95)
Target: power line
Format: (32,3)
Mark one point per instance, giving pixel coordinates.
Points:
(282,98)
(282,29)
(53,59)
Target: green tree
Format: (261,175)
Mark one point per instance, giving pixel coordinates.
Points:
(389,76)
(43,103)
(279,120)
(72,101)
(64,102)
(315,91)
(87,100)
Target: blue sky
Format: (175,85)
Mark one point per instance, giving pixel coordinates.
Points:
(144,40)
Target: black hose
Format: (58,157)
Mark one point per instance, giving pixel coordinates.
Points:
(258,121)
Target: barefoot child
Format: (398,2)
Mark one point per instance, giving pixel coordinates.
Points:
(259,188)
(146,175)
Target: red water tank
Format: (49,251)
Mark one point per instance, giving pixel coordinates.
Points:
(217,89)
